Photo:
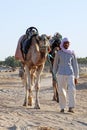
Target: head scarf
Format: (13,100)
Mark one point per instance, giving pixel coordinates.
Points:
(62,47)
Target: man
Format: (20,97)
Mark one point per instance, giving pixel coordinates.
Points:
(66,67)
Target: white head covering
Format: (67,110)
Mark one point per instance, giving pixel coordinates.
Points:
(62,47)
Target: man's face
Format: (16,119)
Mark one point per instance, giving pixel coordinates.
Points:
(66,45)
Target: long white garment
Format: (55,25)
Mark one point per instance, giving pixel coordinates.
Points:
(66,82)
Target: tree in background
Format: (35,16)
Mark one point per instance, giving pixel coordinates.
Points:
(82,60)
(10,61)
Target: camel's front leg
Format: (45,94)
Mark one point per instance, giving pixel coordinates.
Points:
(37,104)
(28,96)
(37,87)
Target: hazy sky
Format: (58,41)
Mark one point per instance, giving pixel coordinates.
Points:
(68,17)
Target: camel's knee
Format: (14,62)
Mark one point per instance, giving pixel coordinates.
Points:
(37,87)
(30,91)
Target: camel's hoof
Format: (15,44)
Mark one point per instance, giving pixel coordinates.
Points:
(37,107)
(24,104)
(55,99)
(29,104)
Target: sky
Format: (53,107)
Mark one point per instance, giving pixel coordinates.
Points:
(68,17)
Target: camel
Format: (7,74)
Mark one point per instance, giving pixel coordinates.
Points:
(55,46)
(33,63)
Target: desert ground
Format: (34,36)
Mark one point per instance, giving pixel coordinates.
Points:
(14,116)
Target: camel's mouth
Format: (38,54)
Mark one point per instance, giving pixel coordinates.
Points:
(44,48)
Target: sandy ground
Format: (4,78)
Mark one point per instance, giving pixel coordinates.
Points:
(13,116)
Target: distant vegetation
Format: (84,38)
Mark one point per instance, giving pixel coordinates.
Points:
(82,60)
(10,61)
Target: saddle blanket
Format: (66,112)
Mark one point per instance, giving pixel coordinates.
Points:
(18,52)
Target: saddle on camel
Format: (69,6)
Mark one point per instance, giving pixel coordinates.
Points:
(34,55)
(55,46)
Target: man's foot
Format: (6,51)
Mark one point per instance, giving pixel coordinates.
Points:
(71,110)
(62,110)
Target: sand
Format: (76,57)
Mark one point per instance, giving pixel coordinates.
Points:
(14,116)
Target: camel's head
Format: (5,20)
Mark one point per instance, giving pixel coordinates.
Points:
(44,43)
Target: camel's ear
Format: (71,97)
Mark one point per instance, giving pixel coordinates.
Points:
(39,37)
(48,37)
